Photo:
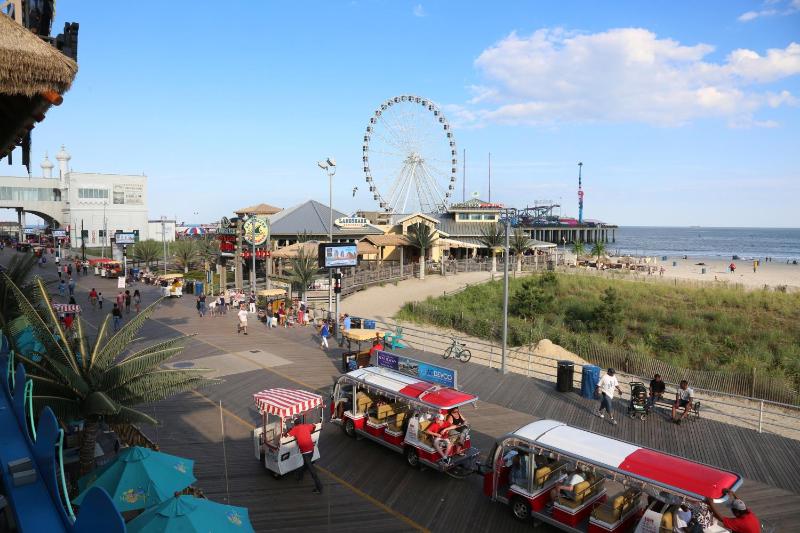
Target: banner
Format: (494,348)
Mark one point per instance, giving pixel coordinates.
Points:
(412,367)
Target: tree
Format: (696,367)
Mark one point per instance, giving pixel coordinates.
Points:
(519,243)
(185,253)
(101,381)
(208,251)
(493,237)
(304,270)
(16,274)
(535,295)
(599,250)
(579,249)
(608,315)
(421,237)
(147,251)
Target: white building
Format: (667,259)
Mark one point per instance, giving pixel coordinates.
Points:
(161,230)
(100,204)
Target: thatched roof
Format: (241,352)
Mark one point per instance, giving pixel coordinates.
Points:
(258,209)
(28,65)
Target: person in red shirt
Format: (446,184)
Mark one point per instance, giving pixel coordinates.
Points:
(438,430)
(743,521)
(302,434)
(377,345)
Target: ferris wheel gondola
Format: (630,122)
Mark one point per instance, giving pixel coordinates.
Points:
(409,156)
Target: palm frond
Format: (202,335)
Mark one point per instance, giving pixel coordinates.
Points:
(122,338)
(65,408)
(52,369)
(158,385)
(99,342)
(46,385)
(82,346)
(142,362)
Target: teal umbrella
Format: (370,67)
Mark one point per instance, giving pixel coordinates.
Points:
(139,478)
(187,514)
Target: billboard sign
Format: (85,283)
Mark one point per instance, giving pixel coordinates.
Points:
(340,254)
(125,238)
(256,230)
(128,194)
(59,233)
(419,369)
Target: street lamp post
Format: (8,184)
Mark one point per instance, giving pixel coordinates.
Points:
(506,215)
(105,232)
(329,166)
(164,240)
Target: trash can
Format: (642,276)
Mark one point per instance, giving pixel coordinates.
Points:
(355,322)
(663,257)
(674,263)
(589,378)
(703,270)
(566,369)
(369,324)
(198,287)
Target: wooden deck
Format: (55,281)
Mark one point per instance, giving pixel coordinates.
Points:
(368,487)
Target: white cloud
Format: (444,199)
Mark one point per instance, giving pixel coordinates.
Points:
(622,75)
(419,11)
(783,8)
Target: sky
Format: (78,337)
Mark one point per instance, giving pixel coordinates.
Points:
(682,112)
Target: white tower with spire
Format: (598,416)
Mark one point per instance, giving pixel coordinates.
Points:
(63,165)
(47,167)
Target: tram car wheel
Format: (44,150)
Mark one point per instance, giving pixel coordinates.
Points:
(349,428)
(521,509)
(411,457)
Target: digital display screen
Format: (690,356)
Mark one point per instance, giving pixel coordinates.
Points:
(335,255)
(125,238)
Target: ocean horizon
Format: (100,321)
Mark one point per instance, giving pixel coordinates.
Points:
(698,241)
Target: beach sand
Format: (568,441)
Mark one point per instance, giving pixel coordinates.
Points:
(771,274)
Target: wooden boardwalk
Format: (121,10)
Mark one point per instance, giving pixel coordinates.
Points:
(368,487)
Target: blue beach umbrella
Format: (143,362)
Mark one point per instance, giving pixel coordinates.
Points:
(187,514)
(139,478)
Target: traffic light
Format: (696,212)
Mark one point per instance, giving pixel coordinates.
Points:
(84,234)
(337,282)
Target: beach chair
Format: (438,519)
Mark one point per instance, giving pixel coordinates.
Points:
(392,340)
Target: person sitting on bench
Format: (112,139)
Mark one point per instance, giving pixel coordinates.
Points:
(567,490)
(657,388)
(683,399)
(438,430)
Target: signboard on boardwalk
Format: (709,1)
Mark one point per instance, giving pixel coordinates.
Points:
(419,369)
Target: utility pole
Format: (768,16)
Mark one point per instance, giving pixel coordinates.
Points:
(83,243)
(490,177)
(164,240)
(506,215)
(464,177)
(329,166)
(580,194)
(237,276)
(105,232)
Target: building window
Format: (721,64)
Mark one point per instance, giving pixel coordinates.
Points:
(92,193)
(474,216)
(30,194)
(489,217)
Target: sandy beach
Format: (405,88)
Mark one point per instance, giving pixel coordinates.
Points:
(771,274)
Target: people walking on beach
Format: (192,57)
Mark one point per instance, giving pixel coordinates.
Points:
(116,314)
(605,388)
(755,266)
(732,267)
(302,434)
(93,297)
(242,326)
(324,333)
(137,301)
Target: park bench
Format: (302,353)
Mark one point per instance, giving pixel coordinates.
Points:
(668,400)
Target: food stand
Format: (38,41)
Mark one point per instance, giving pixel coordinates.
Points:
(273,298)
(171,285)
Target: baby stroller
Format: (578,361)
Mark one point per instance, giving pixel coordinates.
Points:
(638,405)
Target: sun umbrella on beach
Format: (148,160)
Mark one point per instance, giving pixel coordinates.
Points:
(187,514)
(139,478)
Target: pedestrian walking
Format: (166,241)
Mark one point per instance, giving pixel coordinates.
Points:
(71,287)
(137,301)
(127,302)
(93,297)
(86,268)
(201,305)
(606,387)
(120,300)
(324,333)
(69,268)
(242,326)
(302,434)
(116,314)
(62,288)
(100,300)
(252,301)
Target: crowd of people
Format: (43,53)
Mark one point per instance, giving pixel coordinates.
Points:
(608,385)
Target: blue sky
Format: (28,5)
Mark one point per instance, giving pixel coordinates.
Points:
(684,113)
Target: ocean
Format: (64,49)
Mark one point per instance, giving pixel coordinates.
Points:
(747,243)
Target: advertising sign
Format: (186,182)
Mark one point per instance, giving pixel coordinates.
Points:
(128,194)
(256,230)
(335,255)
(59,233)
(125,238)
(412,367)
(121,282)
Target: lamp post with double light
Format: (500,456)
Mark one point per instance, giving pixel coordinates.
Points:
(506,215)
(329,166)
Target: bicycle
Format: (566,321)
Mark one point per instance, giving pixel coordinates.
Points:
(458,351)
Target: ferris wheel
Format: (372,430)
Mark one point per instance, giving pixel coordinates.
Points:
(409,154)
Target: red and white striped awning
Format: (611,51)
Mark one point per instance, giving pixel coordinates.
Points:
(67,308)
(286,402)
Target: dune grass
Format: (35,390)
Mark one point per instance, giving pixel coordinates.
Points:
(715,328)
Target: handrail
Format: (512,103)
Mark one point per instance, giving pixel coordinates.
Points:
(28,397)
(10,371)
(61,470)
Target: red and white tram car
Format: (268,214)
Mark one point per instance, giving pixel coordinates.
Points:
(395,409)
(626,487)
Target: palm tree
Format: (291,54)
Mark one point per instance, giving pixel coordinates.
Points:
(16,273)
(421,237)
(519,243)
(304,270)
(147,251)
(493,237)
(599,250)
(185,253)
(100,382)
(579,249)
(208,251)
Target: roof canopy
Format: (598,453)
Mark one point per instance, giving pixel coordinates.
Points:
(258,209)
(286,402)
(390,239)
(405,386)
(313,218)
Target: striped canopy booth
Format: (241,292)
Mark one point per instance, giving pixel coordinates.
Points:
(286,402)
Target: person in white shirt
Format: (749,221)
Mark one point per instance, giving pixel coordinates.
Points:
(606,387)
(242,320)
(567,490)
(683,400)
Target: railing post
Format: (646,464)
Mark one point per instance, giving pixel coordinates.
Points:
(529,361)
(760,416)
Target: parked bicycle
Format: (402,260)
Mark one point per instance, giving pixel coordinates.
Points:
(457,350)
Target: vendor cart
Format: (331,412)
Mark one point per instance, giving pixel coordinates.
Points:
(278,407)
(171,285)
(359,336)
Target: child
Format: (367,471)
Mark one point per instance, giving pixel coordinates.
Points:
(100,299)
(324,334)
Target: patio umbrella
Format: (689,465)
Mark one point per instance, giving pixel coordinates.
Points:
(139,478)
(187,514)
